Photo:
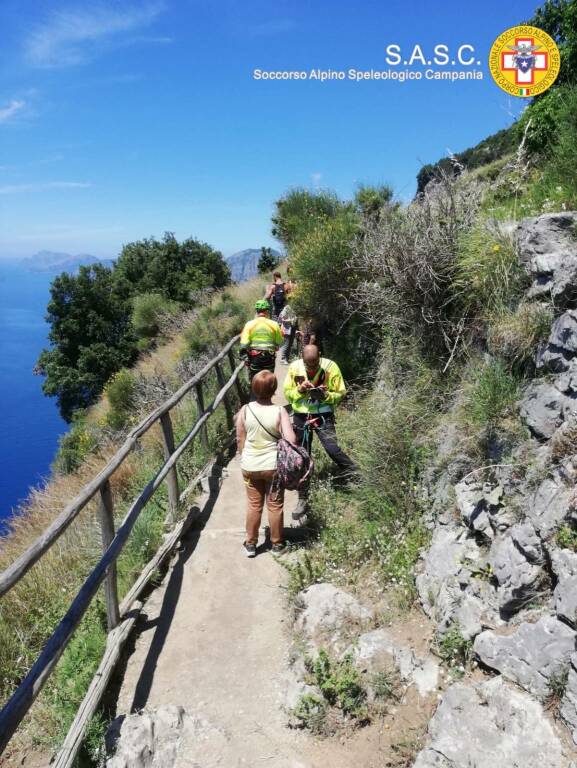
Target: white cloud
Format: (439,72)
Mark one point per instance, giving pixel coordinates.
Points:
(7,112)
(316,178)
(70,37)
(12,189)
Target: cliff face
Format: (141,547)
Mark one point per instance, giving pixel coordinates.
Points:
(501,569)
(244,264)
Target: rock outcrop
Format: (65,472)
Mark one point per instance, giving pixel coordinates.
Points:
(163,738)
(328,617)
(548,251)
(488,725)
(532,656)
(376,651)
(496,571)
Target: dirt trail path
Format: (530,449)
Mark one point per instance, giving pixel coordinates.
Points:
(216,642)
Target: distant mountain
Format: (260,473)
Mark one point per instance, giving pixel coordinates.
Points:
(244,264)
(51,261)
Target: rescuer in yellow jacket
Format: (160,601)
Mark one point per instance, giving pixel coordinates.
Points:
(260,339)
(313,387)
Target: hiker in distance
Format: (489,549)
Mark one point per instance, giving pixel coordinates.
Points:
(259,427)
(259,340)
(314,386)
(277,293)
(288,324)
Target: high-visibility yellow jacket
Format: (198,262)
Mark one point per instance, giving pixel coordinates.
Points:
(261,333)
(329,374)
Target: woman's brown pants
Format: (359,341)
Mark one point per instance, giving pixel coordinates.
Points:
(260,486)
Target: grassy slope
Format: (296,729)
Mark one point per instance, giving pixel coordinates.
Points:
(372,534)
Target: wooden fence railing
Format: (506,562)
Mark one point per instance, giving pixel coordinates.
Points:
(120,617)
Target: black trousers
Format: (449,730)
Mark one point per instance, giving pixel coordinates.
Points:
(262,362)
(327,435)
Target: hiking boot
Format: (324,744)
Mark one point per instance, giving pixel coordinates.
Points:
(300,510)
(249,549)
(279,548)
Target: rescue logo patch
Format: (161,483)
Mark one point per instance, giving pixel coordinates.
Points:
(524,61)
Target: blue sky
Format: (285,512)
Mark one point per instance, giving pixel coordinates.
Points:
(120,120)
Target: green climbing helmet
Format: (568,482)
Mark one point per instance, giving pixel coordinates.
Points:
(262,305)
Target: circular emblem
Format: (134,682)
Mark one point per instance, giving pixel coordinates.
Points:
(524,61)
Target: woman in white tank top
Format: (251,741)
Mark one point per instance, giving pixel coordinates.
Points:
(259,426)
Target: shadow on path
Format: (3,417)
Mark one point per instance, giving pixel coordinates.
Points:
(171,596)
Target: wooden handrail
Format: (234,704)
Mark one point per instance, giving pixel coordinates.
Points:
(27,559)
(24,696)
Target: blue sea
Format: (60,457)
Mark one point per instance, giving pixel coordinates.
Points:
(29,422)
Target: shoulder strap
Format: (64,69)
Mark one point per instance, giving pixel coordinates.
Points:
(275,437)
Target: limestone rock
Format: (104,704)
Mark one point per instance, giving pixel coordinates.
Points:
(165,737)
(555,355)
(149,739)
(548,250)
(543,409)
(482,506)
(531,655)
(564,564)
(328,615)
(517,562)
(551,503)
(373,652)
(450,548)
(568,710)
(490,725)
(376,651)
(294,691)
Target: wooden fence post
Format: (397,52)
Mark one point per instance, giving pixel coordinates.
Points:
(239,388)
(106,512)
(200,406)
(172,477)
(227,405)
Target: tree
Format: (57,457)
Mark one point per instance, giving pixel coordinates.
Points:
(267,261)
(90,334)
(170,268)
(559,19)
(96,316)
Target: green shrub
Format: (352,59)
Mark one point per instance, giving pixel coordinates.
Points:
(215,324)
(300,211)
(340,685)
(489,277)
(541,121)
(403,266)
(74,446)
(491,397)
(121,394)
(303,572)
(371,200)
(567,538)
(311,713)
(454,649)
(560,175)
(148,310)
(515,335)
(383,685)
(319,260)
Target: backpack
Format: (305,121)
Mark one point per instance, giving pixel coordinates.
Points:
(294,466)
(279,297)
